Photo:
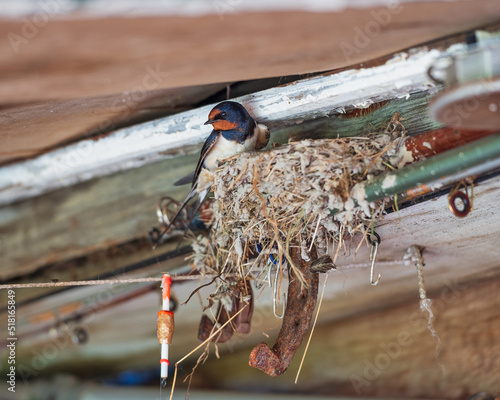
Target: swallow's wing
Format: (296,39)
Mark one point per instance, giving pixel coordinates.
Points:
(207,146)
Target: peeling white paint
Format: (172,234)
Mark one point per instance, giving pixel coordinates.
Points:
(363,104)
(427,144)
(358,193)
(404,156)
(146,143)
(398,57)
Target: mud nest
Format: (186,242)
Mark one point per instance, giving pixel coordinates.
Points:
(300,194)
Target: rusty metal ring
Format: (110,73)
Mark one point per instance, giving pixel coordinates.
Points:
(465,200)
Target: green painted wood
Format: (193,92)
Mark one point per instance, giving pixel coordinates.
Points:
(355,122)
(431,170)
(87,217)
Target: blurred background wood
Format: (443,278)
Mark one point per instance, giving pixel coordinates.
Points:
(97,74)
(82,76)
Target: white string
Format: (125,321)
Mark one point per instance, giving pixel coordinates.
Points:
(100,282)
(151,279)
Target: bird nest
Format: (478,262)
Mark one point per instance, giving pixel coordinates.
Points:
(301,194)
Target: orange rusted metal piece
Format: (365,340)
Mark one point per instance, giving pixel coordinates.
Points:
(439,140)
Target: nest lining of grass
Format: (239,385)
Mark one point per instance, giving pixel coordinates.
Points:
(299,194)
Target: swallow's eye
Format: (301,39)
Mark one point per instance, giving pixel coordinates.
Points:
(223,114)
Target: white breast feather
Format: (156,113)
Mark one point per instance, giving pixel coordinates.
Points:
(225,148)
(222,149)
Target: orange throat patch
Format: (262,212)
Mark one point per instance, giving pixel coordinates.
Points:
(223,125)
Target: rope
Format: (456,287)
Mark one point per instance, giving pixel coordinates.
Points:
(359,265)
(178,278)
(99,282)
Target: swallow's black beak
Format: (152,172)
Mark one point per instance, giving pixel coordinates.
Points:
(210,121)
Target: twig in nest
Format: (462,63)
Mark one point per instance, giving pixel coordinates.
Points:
(255,188)
(201,360)
(240,175)
(315,232)
(376,158)
(198,289)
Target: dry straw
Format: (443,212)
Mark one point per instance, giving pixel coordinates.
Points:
(301,194)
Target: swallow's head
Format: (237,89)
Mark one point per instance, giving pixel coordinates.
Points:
(228,115)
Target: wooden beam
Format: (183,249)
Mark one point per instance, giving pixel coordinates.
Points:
(94,215)
(461,273)
(85,218)
(152,141)
(113,54)
(390,353)
(29,130)
(135,256)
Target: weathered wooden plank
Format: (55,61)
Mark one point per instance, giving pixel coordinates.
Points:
(112,54)
(29,130)
(390,353)
(461,274)
(93,215)
(106,212)
(360,121)
(114,261)
(278,107)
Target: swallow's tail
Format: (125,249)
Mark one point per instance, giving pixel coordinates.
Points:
(185,180)
(190,195)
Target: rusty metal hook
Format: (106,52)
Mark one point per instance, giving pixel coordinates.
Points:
(373,255)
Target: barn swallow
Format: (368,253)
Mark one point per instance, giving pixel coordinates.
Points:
(234,131)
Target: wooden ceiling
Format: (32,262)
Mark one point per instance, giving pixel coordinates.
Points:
(81,77)
(75,77)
